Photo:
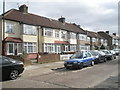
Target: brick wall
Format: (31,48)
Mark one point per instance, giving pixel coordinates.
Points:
(45,58)
(24,59)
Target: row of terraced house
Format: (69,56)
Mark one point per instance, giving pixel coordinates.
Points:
(30,33)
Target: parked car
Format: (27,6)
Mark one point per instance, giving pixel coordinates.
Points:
(117,51)
(113,53)
(78,60)
(108,55)
(10,68)
(98,56)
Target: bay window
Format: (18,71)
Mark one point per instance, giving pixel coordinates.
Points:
(9,28)
(73,35)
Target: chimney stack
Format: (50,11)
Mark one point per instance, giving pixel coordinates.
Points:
(23,8)
(62,19)
(107,32)
(114,34)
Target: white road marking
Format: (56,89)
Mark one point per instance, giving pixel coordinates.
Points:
(82,69)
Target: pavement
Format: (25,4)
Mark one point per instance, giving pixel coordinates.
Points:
(41,68)
(54,75)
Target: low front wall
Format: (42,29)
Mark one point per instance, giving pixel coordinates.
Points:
(65,56)
(45,58)
(24,59)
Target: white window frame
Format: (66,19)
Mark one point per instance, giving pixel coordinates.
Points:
(33,45)
(9,27)
(50,48)
(18,48)
(29,29)
(57,34)
(82,37)
(46,30)
(72,47)
(63,34)
(73,35)
(58,48)
(66,47)
(8,49)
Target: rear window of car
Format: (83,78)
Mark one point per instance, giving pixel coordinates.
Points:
(77,55)
(94,53)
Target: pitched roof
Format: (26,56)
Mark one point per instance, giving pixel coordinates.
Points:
(33,19)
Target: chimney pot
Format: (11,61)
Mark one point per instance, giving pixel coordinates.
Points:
(107,32)
(114,34)
(23,8)
(62,19)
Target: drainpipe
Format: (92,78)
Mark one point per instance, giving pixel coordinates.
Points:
(38,43)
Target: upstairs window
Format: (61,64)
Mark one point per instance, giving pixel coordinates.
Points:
(9,28)
(57,34)
(94,39)
(88,39)
(82,37)
(63,35)
(48,32)
(28,29)
(73,35)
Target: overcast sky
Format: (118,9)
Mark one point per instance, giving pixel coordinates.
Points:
(94,15)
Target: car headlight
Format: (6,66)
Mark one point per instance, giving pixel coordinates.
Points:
(75,62)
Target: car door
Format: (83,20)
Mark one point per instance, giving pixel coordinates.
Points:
(6,67)
(89,58)
(85,59)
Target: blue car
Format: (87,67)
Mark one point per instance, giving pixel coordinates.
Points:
(78,60)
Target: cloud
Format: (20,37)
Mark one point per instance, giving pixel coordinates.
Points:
(90,14)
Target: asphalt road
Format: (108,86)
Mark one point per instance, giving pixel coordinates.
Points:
(88,77)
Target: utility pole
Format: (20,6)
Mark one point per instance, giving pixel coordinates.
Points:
(3,29)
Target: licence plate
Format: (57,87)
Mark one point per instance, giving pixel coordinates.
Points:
(69,64)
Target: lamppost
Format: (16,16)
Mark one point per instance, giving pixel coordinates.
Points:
(3,27)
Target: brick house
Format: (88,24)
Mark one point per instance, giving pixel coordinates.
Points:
(113,40)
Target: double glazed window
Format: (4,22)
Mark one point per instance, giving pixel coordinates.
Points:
(73,35)
(30,47)
(63,34)
(94,39)
(14,46)
(57,34)
(49,48)
(82,37)
(48,32)
(9,27)
(10,48)
(72,47)
(28,29)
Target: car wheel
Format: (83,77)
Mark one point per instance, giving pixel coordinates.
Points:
(105,60)
(92,63)
(14,74)
(67,67)
(81,65)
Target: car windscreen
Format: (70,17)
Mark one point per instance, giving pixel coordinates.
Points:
(94,53)
(77,55)
(106,52)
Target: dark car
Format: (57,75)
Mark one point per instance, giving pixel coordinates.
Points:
(117,51)
(108,55)
(10,68)
(98,56)
(78,60)
(113,53)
